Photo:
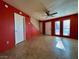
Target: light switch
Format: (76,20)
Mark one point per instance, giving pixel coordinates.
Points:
(7,42)
(29,23)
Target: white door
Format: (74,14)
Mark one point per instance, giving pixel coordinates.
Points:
(19,28)
(48,28)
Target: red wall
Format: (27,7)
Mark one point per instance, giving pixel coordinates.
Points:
(73,25)
(7,32)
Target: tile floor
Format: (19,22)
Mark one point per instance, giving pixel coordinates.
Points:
(44,47)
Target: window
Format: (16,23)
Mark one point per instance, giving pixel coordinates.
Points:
(66,27)
(57,27)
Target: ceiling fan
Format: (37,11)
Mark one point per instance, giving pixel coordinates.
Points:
(47,12)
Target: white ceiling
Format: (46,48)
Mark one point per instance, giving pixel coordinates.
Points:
(34,7)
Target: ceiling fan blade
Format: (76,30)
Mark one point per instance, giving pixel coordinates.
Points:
(53,13)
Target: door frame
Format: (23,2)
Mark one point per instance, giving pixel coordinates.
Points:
(24,29)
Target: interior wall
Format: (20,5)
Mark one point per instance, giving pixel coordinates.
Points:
(7,29)
(35,22)
(73,25)
(41,27)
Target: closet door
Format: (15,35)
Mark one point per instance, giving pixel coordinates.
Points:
(48,28)
(19,28)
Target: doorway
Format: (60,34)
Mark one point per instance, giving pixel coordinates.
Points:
(48,28)
(19,28)
(57,28)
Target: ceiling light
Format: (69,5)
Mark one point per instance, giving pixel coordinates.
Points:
(20,12)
